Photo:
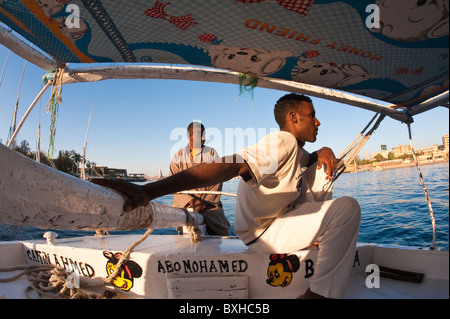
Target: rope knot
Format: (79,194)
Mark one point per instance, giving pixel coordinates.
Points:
(192,226)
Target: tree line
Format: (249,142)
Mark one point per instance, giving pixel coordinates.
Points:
(67,161)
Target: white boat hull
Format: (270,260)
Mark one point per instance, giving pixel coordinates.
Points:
(173,267)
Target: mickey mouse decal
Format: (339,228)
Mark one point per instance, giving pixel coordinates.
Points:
(130,270)
(281,269)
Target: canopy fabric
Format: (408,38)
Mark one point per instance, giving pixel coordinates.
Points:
(334,44)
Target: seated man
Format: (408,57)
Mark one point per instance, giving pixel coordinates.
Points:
(281,207)
(208,205)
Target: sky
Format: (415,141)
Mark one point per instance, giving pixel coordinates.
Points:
(138,124)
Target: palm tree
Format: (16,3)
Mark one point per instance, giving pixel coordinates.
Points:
(76,158)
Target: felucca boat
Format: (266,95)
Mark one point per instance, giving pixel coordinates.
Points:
(392,51)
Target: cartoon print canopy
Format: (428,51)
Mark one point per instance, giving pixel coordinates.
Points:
(392,50)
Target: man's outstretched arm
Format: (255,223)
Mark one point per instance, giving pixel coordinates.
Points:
(205,174)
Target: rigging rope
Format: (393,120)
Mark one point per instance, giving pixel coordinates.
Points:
(350,153)
(430,208)
(54,282)
(208,192)
(53,106)
(355,147)
(352,144)
(192,226)
(125,256)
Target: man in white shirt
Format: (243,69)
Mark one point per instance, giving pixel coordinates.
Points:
(284,202)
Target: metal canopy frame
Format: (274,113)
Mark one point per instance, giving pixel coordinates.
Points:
(192,73)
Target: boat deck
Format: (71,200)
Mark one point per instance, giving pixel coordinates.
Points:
(394,289)
(389,289)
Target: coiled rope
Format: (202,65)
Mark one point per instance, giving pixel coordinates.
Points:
(50,281)
(53,282)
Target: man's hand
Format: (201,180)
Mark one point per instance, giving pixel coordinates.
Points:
(135,193)
(200,205)
(326,156)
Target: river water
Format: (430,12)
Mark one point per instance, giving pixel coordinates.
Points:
(393,204)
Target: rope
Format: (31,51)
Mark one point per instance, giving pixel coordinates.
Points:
(52,282)
(430,208)
(355,147)
(126,256)
(53,105)
(208,192)
(352,144)
(191,225)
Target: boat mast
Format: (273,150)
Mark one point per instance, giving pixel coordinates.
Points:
(83,159)
(12,129)
(4,67)
(37,156)
(30,108)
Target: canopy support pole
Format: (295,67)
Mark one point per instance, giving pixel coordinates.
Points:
(24,50)
(92,74)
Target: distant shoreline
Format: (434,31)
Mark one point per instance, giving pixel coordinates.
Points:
(350,170)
